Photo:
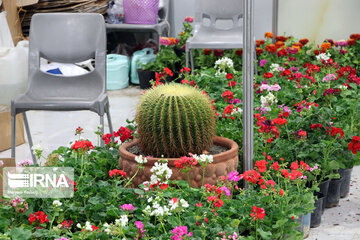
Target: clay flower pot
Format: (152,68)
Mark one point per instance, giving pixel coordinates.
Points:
(223,164)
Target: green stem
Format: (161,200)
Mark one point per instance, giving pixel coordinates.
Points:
(132,177)
(52,221)
(203,175)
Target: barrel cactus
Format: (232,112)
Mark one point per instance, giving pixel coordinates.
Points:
(174,120)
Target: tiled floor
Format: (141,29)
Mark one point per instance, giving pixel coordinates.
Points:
(53,129)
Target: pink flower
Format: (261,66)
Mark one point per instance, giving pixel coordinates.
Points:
(189,19)
(233,176)
(179,232)
(127,207)
(276,87)
(140,226)
(165,41)
(264,87)
(262,62)
(225,190)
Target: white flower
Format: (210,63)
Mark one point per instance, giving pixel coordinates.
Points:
(203,158)
(107,228)
(160,211)
(140,159)
(237,111)
(37,150)
(342,87)
(78,225)
(323,56)
(267,101)
(57,203)
(274,67)
(184,203)
(161,172)
(147,210)
(88,226)
(173,204)
(223,64)
(122,221)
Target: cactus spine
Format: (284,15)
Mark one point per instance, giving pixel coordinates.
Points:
(174,120)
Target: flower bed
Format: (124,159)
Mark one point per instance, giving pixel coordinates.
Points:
(306,128)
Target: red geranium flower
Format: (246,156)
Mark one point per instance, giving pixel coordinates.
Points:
(275,166)
(261,165)
(39,218)
(281,192)
(271,48)
(259,51)
(354,145)
(83,145)
(239,52)
(268,75)
(334,131)
(231,84)
(257,213)
(168,71)
(294,165)
(207,51)
(229,76)
(227,96)
(218,52)
(185,162)
(285,173)
(117,172)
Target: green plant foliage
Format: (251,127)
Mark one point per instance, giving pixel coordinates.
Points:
(175,119)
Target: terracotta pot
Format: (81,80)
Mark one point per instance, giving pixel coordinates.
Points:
(223,164)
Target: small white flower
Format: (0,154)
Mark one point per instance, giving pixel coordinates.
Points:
(274,67)
(323,56)
(184,203)
(37,147)
(57,203)
(88,226)
(78,225)
(203,158)
(140,159)
(122,221)
(147,210)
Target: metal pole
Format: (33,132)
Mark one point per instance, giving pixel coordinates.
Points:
(248,95)
(275,17)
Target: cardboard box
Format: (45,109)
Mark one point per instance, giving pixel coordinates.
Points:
(5,129)
(8,162)
(13,20)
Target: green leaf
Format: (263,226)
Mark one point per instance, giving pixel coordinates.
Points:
(20,234)
(264,235)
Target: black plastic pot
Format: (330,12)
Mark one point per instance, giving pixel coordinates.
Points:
(316,215)
(324,187)
(333,197)
(345,184)
(145,77)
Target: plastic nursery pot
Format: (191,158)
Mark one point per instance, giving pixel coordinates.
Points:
(324,187)
(223,164)
(345,175)
(145,77)
(333,197)
(304,227)
(316,215)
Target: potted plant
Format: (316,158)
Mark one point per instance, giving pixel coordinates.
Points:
(173,121)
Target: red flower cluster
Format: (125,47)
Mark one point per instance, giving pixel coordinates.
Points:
(257,213)
(231,84)
(218,53)
(268,75)
(354,146)
(185,162)
(117,172)
(316,125)
(227,96)
(207,51)
(66,224)
(217,202)
(124,133)
(261,165)
(282,38)
(259,51)
(78,131)
(229,76)
(228,111)
(355,36)
(39,218)
(335,131)
(83,145)
(271,48)
(267,126)
(191,83)
(304,41)
(260,42)
(331,91)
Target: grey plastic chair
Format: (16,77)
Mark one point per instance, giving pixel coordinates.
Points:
(64,38)
(162,28)
(210,33)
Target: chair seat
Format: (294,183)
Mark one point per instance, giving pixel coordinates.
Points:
(207,37)
(27,102)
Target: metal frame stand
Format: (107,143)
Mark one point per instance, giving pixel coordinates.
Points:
(248,91)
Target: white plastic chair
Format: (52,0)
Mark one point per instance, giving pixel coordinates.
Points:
(208,32)
(64,38)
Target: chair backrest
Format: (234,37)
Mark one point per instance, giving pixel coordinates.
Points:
(67,38)
(164,10)
(219,10)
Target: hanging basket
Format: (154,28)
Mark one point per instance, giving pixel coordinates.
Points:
(141,11)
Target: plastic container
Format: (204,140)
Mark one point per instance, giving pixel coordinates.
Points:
(141,11)
(13,71)
(141,57)
(324,187)
(316,215)
(345,175)
(116,12)
(117,72)
(333,196)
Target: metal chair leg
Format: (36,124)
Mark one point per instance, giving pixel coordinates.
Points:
(109,119)
(192,61)
(13,135)
(28,134)
(102,129)
(187,58)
